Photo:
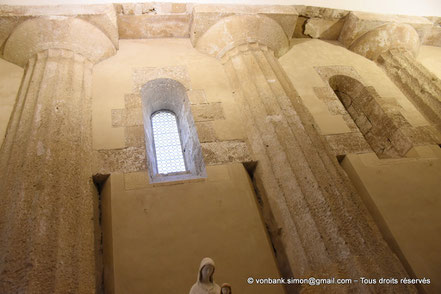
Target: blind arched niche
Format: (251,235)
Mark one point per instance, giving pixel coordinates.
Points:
(380,132)
(170,95)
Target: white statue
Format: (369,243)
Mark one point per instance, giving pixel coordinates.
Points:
(205,283)
(226,288)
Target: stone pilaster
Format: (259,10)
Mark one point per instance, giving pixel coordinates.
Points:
(316,219)
(421,86)
(48,203)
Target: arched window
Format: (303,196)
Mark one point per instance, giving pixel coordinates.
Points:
(173,150)
(167,143)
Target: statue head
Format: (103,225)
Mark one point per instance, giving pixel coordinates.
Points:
(226,288)
(206,271)
(205,283)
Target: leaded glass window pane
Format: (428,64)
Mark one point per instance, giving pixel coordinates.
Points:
(168,148)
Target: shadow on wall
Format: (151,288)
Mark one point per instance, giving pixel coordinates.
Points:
(379,130)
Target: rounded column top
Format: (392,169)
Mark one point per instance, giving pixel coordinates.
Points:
(386,37)
(236,30)
(57,32)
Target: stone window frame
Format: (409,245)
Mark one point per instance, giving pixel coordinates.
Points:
(170,95)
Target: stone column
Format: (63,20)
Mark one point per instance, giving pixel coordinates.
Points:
(317,221)
(48,204)
(394,48)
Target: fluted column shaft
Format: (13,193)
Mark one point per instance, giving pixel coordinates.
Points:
(317,222)
(47,198)
(421,86)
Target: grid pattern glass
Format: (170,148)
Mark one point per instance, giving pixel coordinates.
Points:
(169,156)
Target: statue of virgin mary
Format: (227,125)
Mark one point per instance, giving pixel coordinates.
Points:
(205,283)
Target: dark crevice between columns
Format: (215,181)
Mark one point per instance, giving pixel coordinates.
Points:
(274,232)
(99,180)
(340,157)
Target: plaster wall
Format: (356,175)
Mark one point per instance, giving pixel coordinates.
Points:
(306,55)
(10,79)
(430,57)
(310,63)
(404,196)
(114,78)
(117,115)
(161,232)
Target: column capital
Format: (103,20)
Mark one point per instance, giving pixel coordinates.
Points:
(57,32)
(389,36)
(217,30)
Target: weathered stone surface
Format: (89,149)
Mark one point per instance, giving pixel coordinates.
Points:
(326,72)
(358,122)
(134,136)
(359,23)
(347,143)
(127,117)
(207,112)
(421,86)
(152,8)
(334,105)
(327,29)
(205,132)
(48,204)
(197,97)
(300,28)
(150,20)
(130,159)
(207,15)
(236,30)
(225,151)
(101,16)
(381,133)
(154,26)
(433,36)
(388,36)
(423,135)
(38,34)
(132,101)
(319,22)
(293,161)
(143,75)
(320,12)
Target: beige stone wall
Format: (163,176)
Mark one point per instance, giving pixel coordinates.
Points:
(161,232)
(430,57)
(113,83)
(118,143)
(404,196)
(303,64)
(10,79)
(307,54)
(117,117)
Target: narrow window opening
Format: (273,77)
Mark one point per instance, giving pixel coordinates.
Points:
(167,143)
(172,146)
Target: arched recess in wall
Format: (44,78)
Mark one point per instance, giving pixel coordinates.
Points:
(170,95)
(380,132)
